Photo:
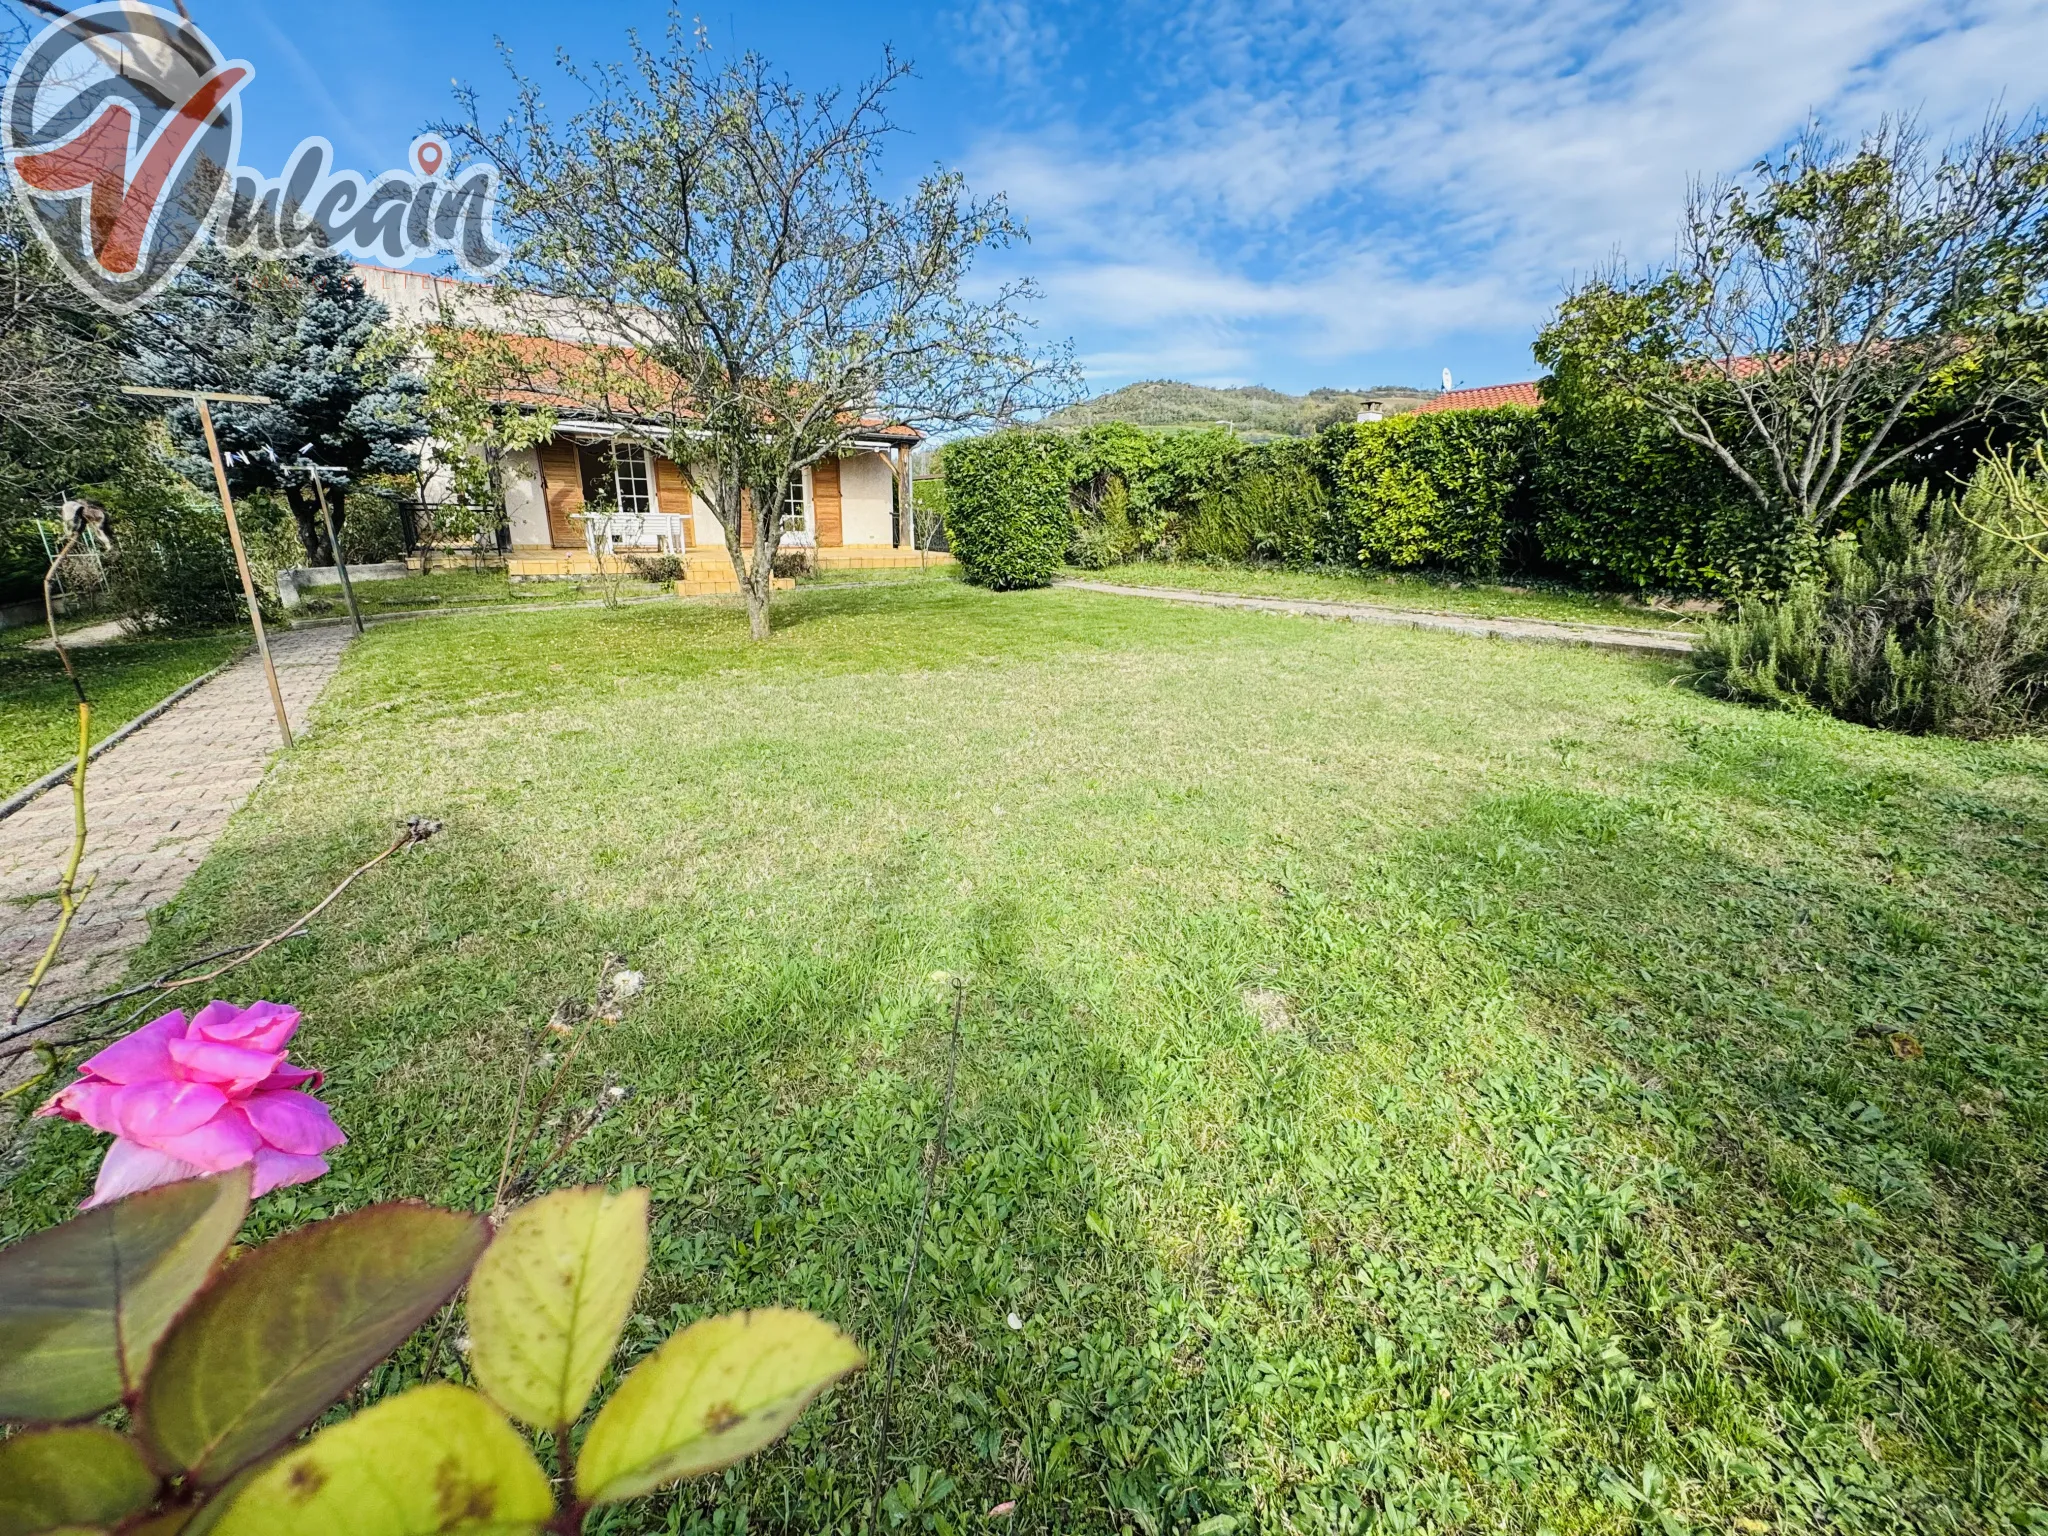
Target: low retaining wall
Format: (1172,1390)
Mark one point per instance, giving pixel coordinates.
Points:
(293,581)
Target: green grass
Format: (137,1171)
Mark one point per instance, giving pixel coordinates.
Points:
(882,574)
(1410,1082)
(459,588)
(1401,589)
(38,712)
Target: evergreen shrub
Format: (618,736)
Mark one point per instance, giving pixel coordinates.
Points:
(1447,489)
(1925,619)
(1007,517)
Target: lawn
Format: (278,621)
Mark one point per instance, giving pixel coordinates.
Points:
(458,589)
(1402,589)
(1409,1082)
(38,713)
(467,588)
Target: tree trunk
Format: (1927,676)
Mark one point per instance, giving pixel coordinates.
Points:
(760,577)
(755,569)
(306,515)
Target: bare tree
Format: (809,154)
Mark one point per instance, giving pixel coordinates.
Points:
(747,295)
(1833,316)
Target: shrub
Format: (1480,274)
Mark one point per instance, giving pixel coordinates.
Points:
(1272,506)
(659,569)
(1619,501)
(1007,517)
(789,563)
(1925,620)
(174,568)
(1444,489)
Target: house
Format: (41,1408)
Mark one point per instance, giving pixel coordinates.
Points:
(844,513)
(854,511)
(1483,399)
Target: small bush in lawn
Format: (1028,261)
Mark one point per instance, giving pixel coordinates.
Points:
(1007,515)
(1926,620)
(794,562)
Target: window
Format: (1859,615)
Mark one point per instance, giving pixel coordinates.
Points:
(635,479)
(796,512)
(618,474)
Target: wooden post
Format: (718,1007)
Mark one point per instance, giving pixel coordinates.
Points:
(906,516)
(227,502)
(334,543)
(199,397)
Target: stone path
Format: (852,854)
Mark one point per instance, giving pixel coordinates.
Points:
(1605,636)
(155,803)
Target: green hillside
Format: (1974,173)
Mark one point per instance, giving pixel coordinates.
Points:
(1253,412)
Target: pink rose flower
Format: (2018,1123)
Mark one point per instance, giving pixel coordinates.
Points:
(189,1099)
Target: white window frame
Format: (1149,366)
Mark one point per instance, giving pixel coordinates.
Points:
(805,534)
(646,462)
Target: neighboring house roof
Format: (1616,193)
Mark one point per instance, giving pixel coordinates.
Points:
(1484,398)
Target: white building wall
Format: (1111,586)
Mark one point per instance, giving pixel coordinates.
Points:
(526,506)
(864,500)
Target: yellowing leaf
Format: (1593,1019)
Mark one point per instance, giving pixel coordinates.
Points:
(549,1296)
(83,1303)
(719,1390)
(282,1333)
(83,1477)
(433,1460)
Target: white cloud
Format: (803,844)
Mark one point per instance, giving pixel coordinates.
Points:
(1007,39)
(1324,181)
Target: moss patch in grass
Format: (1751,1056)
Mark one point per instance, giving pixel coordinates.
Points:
(1411,1081)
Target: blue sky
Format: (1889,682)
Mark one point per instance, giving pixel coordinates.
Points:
(1291,192)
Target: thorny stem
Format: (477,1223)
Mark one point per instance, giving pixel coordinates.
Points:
(67,887)
(568,1519)
(413,833)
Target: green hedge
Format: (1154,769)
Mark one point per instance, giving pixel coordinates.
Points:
(1447,489)
(1007,517)
(1596,495)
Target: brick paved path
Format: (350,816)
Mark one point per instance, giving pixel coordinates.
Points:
(155,802)
(1613,637)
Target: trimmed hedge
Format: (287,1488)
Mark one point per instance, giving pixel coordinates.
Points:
(1447,489)
(1007,517)
(1600,496)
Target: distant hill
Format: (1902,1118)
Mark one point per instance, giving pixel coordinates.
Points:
(1253,412)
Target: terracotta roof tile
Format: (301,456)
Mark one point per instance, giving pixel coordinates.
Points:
(1484,398)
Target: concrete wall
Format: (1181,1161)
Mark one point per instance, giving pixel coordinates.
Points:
(864,499)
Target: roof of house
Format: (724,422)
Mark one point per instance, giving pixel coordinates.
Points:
(598,383)
(1483,398)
